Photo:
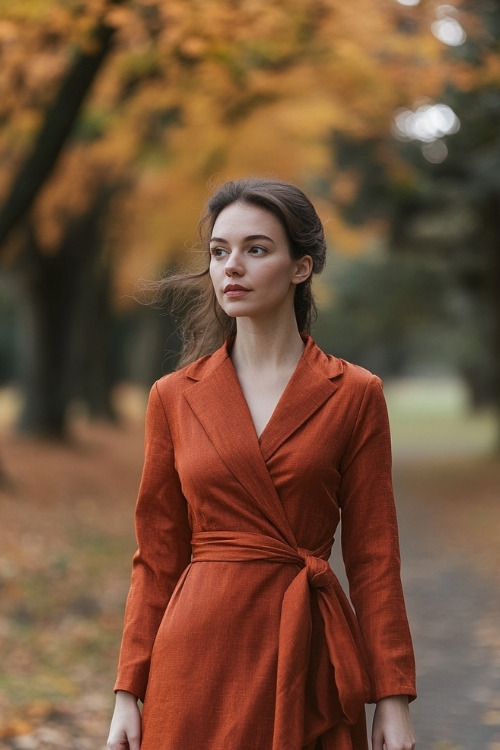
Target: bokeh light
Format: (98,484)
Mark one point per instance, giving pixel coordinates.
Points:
(426,124)
(449,31)
(435,152)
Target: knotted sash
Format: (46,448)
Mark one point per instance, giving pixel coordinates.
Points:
(341,629)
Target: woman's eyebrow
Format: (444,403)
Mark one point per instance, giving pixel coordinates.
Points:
(250,237)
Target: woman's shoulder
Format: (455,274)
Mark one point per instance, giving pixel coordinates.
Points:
(358,388)
(340,369)
(357,373)
(178,380)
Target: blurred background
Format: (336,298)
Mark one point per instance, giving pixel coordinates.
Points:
(116,119)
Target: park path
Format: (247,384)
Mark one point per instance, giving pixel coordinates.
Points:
(454,612)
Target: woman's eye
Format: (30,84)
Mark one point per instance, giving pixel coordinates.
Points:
(257,250)
(218,252)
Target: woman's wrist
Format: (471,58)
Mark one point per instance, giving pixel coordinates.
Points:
(396,698)
(123,696)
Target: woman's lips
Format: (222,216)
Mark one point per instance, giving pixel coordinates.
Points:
(235,290)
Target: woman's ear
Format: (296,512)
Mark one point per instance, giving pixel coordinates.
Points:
(303,269)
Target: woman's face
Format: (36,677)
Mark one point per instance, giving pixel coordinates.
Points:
(251,267)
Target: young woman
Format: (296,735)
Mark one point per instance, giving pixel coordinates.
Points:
(237,633)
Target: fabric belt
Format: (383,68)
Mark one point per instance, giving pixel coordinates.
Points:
(341,629)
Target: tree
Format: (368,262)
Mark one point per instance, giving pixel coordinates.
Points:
(187,92)
(440,193)
(387,313)
(56,127)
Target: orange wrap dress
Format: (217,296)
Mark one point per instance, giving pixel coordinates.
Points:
(237,634)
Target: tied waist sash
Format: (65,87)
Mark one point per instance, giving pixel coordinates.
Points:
(341,630)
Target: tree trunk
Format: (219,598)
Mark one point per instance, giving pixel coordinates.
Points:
(491,217)
(92,357)
(50,286)
(68,352)
(57,126)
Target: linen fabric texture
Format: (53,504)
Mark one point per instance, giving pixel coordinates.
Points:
(238,635)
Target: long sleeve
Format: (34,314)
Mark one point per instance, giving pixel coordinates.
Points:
(164,550)
(370,547)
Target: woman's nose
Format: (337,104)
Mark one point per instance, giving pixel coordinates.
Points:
(233,265)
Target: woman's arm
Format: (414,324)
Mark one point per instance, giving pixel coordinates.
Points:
(164,550)
(392,728)
(370,543)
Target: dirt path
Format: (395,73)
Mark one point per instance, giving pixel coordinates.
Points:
(450,533)
(449,521)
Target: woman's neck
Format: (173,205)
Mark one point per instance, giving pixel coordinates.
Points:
(257,350)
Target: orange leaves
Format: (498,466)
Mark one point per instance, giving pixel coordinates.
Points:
(197,88)
(489,75)
(62,603)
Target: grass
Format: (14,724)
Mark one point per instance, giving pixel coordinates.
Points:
(432,418)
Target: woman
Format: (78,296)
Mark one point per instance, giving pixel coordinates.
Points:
(237,633)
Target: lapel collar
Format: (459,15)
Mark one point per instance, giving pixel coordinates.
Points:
(312,383)
(218,403)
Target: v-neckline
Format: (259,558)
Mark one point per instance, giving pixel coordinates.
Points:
(277,408)
(224,415)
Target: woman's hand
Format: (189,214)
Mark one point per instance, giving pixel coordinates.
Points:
(125,730)
(392,728)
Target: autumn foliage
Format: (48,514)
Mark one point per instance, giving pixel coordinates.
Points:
(200,91)
(174,97)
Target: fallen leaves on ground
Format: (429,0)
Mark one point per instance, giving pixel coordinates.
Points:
(66,542)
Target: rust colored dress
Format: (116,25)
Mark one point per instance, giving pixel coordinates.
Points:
(237,633)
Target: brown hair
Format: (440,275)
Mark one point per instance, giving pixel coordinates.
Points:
(204,325)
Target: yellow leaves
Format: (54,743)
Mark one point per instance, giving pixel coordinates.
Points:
(259,87)
(197,88)
(193,48)
(349,241)
(489,75)
(23,10)
(345,187)
(288,136)
(140,65)
(120,16)
(8,32)
(132,30)
(161,225)
(70,192)
(46,73)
